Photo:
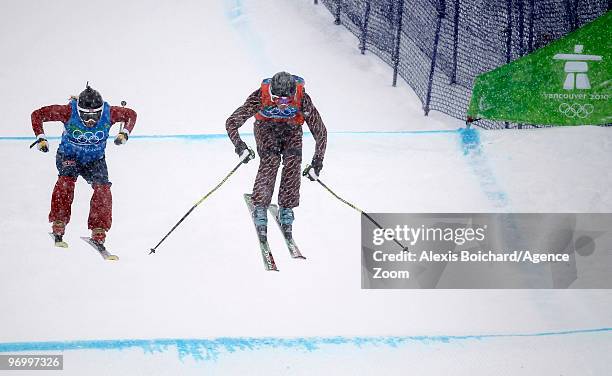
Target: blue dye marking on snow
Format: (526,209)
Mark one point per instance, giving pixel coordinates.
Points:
(470,140)
(234,12)
(210,349)
(472,149)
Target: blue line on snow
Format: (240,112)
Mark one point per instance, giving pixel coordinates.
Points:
(209,349)
(211,136)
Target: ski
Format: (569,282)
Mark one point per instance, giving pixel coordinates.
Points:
(266,254)
(60,244)
(293,248)
(100,248)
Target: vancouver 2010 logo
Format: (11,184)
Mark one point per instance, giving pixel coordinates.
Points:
(576,84)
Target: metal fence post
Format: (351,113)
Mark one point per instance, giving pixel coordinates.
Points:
(453,78)
(364,32)
(509,31)
(441,14)
(337,20)
(571,16)
(398,38)
(531,13)
(521,27)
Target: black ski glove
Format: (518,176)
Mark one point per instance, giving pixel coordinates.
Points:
(317,164)
(244,152)
(312,172)
(242,146)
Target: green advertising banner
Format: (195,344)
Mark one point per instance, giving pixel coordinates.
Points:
(565,83)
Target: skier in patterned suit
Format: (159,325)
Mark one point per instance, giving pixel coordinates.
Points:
(280,107)
(87,122)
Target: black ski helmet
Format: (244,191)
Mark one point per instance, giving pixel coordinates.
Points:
(283,84)
(90,99)
(90,104)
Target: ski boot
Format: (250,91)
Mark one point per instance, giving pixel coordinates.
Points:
(58,228)
(98,235)
(260,217)
(285,218)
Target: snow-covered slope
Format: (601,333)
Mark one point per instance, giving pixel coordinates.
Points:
(184,68)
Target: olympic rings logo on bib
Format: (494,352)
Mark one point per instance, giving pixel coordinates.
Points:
(88,138)
(275,111)
(576,110)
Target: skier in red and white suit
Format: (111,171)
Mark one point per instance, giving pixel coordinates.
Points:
(87,122)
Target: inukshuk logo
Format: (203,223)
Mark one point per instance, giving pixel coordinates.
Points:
(576,78)
(576,68)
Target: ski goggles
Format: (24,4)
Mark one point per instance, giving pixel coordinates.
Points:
(281,100)
(284,99)
(87,114)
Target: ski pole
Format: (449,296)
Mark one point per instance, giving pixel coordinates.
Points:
(34,143)
(250,156)
(123,104)
(305,173)
(122,125)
